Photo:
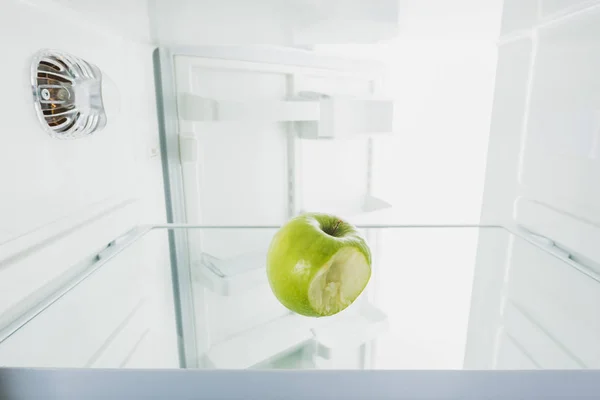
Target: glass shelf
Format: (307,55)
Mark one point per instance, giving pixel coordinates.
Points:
(440,297)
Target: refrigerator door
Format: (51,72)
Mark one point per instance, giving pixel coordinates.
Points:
(265,133)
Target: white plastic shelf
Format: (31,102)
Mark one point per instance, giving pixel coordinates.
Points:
(232,275)
(316,116)
(267,342)
(198,108)
(260,344)
(344,117)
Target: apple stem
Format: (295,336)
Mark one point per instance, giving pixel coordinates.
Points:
(335,227)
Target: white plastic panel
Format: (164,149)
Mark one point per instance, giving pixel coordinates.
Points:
(512,356)
(87,310)
(131,21)
(296,22)
(519,15)
(63,200)
(25,272)
(98,322)
(441,19)
(573,234)
(230,169)
(533,342)
(541,174)
(124,339)
(554,7)
(485,319)
(44,179)
(563,302)
(561,153)
(510,98)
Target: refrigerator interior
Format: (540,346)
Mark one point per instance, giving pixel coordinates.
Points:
(474,125)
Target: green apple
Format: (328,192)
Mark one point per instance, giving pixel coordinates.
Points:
(318,264)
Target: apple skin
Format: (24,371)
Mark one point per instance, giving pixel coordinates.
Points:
(301,248)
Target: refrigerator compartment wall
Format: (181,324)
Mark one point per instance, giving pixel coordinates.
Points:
(299,22)
(560,155)
(512,356)
(542,349)
(124,340)
(556,8)
(48,180)
(64,201)
(350,329)
(561,299)
(32,264)
(518,16)
(508,117)
(80,326)
(573,235)
(261,344)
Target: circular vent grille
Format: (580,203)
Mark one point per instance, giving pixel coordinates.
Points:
(67,93)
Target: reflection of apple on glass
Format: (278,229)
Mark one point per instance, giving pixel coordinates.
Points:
(318,264)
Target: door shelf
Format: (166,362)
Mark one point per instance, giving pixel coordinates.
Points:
(269,341)
(346,117)
(261,344)
(315,116)
(233,275)
(198,108)
(349,329)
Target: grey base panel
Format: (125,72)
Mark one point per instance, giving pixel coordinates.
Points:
(271,385)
